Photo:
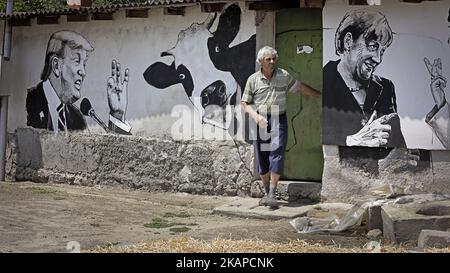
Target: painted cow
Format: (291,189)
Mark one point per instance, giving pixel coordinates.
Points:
(211,72)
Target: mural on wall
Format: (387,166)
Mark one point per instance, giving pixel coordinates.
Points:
(50,104)
(376,93)
(211,72)
(438,118)
(448,18)
(359,107)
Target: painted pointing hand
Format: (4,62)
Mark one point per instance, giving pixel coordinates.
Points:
(374,134)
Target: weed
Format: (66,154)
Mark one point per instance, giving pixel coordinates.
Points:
(180,229)
(111,244)
(163,223)
(158,223)
(42,190)
(182,214)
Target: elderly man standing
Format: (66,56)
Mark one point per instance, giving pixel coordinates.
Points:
(264,99)
(50,104)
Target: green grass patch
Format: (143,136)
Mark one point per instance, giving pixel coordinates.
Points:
(159,223)
(180,229)
(111,244)
(182,214)
(42,190)
(163,223)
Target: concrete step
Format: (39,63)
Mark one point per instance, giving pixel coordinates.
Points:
(250,208)
(297,191)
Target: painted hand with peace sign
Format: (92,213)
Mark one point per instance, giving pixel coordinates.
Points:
(117,89)
(438,82)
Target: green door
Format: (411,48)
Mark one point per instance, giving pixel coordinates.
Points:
(299,45)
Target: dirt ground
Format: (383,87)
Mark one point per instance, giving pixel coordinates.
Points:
(46,217)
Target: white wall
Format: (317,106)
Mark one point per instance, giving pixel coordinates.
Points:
(134,42)
(420,30)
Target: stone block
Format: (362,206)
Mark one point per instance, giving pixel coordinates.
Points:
(293,191)
(374,218)
(434,238)
(404,222)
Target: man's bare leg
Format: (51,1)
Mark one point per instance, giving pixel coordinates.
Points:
(272,201)
(266,185)
(274,178)
(266,182)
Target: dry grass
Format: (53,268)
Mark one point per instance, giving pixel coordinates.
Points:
(185,244)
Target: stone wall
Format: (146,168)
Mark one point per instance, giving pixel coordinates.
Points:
(200,167)
(351,174)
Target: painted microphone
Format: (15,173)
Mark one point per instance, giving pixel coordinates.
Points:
(87,110)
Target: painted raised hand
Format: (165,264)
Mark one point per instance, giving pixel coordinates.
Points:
(117,90)
(438,82)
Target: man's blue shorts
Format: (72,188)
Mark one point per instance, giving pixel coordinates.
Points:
(271,144)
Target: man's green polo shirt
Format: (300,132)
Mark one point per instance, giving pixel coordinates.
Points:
(269,96)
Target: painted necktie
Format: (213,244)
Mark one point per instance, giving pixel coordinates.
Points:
(62,110)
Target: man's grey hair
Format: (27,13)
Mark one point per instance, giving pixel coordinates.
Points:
(266,51)
(371,24)
(56,44)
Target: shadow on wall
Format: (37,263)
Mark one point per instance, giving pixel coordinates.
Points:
(358,173)
(29,151)
(23,156)
(374,160)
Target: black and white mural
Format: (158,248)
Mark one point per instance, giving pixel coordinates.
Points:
(51,103)
(384,77)
(438,118)
(211,69)
(359,106)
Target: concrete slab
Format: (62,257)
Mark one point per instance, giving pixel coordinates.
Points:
(404,222)
(249,208)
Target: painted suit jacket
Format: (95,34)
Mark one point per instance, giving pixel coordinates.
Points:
(342,115)
(38,115)
(439,121)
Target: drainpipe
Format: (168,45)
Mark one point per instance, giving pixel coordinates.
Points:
(6,54)
(8,30)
